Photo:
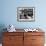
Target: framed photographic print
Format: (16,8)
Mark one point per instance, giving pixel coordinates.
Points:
(26,14)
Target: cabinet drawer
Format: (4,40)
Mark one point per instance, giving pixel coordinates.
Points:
(33,40)
(34,33)
(37,44)
(20,44)
(13,33)
(37,39)
(12,39)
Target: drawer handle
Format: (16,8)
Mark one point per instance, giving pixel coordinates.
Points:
(11,38)
(33,39)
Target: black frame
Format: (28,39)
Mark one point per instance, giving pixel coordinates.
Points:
(29,11)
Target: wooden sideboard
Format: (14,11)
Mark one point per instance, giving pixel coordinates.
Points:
(23,38)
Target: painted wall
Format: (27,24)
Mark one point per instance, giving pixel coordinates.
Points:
(9,13)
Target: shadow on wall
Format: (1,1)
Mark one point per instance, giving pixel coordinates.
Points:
(2,27)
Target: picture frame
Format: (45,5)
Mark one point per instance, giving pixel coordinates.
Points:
(26,14)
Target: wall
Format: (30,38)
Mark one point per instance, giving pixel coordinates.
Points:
(8,13)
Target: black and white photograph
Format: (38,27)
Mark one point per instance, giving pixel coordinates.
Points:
(25,13)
